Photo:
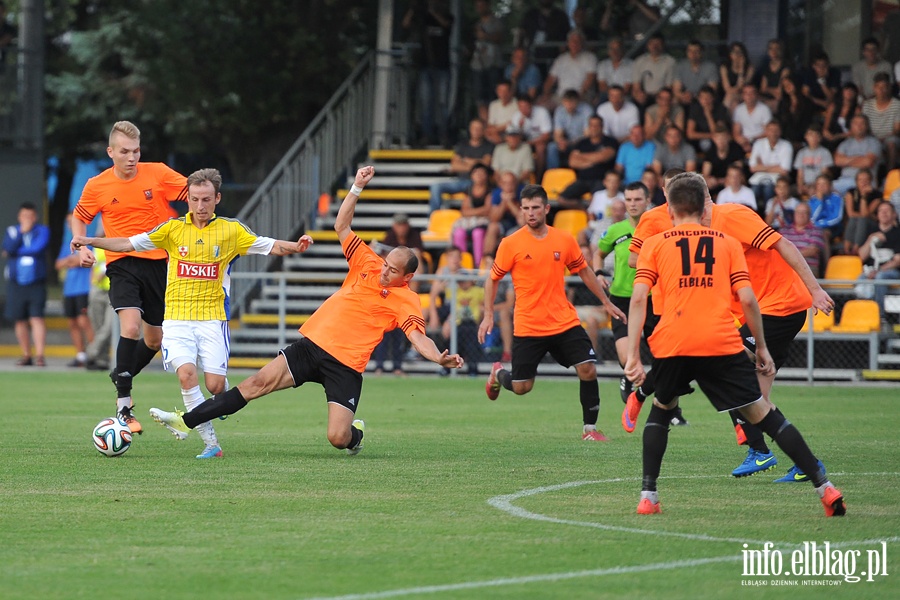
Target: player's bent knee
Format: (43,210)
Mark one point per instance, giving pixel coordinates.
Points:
(339,438)
(522,387)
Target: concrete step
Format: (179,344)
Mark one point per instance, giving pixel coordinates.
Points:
(300,291)
(263,305)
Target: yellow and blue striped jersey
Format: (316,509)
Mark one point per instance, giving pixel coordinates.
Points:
(198,284)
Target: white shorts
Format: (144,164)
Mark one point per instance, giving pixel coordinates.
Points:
(183,342)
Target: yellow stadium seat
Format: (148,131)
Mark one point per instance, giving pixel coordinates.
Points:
(843,267)
(556,180)
(891,183)
(429,261)
(859,316)
(467,261)
(440,222)
(821,322)
(425,300)
(572,220)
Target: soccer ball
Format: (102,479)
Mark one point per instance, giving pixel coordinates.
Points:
(112,437)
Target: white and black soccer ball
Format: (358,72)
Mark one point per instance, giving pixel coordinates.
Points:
(112,437)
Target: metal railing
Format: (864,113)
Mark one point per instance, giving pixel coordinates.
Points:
(286,201)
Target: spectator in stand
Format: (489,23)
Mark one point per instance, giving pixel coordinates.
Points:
(430,24)
(570,121)
(703,117)
(475,151)
(772,70)
(735,192)
(400,233)
(735,73)
(438,300)
(545,27)
(591,158)
(476,208)
(76,290)
(575,69)
(654,191)
(795,112)
(750,118)
(770,159)
(589,308)
(725,152)
(860,204)
(809,239)
(674,153)
(523,75)
(581,20)
(821,82)
(619,115)
(693,74)
(469,309)
(101,314)
(635,155)
(827,209)
(505,216)
(811,161)
(25,247)
(503,309)
(537,125)
(615,70)
(864,71)
(886,237)
(662,114)
(487,55)
(602,200)
(653,71)
(780,208)
(859,151)
(500,113)
(883,113)
(514,155)
(633,17)
(839,115)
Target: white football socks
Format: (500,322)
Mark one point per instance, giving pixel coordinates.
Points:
(193,398)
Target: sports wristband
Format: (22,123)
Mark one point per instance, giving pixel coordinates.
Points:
(355,189)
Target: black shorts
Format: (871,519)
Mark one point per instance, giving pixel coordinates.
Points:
(75,306)
(620,329)
(728,381)
(779,332)
(307,362)
(139,283)
(571,347)
(25,301)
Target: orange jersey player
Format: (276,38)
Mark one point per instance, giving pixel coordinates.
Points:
(132,197)
(537,257)
(338,338)
(696,270)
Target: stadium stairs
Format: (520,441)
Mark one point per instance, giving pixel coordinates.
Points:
(400,186)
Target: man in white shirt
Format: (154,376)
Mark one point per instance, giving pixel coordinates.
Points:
(618,114)
(750,118)
(572,70)
(652,71)
(500,113)
(615,70)
(770,158)
(735,192)
(537,126)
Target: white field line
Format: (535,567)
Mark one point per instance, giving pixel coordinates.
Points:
(505,504)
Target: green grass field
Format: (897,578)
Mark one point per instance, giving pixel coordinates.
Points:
(452,497)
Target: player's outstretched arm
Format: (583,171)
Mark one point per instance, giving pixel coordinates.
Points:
(122,244)
(283,247)
(637,313)
(348,206)
(788,251)
(425,346)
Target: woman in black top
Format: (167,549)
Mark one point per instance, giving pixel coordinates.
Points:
(839,114)
(770,73)
(794,112)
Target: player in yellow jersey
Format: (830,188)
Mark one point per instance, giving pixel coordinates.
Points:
(132,197)
(696,271)
(338,338)
(201,248)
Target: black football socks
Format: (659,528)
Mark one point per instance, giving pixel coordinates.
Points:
(226,403)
